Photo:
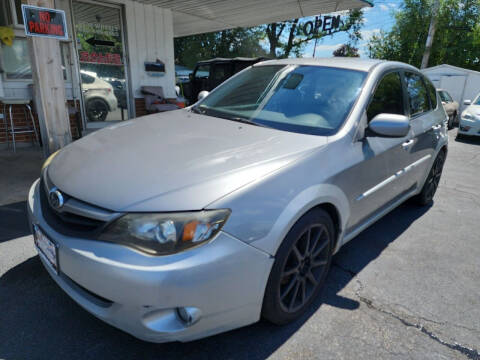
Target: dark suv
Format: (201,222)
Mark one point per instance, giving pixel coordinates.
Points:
(208,74)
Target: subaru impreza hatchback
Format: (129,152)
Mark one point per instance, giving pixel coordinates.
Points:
(180,225)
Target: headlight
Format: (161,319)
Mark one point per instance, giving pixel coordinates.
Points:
(49,160)
(467,116)
(166,233)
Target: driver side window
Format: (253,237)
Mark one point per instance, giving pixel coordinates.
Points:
(388,97)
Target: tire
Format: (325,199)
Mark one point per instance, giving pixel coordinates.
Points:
(425,197)
(97,109)
(300,268)
(450,122)
(455,120)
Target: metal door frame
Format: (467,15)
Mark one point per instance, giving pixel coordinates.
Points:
(121,8)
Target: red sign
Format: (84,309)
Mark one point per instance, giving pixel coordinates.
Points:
(99,58)
(44,22)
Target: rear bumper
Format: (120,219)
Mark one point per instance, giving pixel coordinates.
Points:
(224,279)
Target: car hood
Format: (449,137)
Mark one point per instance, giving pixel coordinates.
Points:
(172,161)
(473,109)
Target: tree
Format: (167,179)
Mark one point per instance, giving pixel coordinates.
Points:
(288,37)
(457,37)
(226,43)
(346,50)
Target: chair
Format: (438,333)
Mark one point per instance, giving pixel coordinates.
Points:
(155,100)
(10,127)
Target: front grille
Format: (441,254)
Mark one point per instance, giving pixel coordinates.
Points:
(68,223)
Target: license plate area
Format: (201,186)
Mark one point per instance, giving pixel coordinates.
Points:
(46,247)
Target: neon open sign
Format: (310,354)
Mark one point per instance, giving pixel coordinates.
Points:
(44,22)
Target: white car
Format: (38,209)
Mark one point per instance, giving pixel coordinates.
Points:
(470,119)
(98,95)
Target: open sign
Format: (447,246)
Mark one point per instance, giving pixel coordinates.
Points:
(44,22)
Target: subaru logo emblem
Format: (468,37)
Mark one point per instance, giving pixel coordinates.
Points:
(55,198)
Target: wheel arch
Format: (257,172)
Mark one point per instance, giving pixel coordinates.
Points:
(328,197)
(96,97)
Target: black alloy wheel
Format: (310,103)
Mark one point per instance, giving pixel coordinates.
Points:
(431,184)
(300,268)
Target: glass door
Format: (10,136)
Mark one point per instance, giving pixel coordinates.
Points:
(101,57)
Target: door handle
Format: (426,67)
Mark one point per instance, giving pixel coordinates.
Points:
(436,127)
(406,145)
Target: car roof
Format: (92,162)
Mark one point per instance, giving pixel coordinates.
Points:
(227,60)
(338,62)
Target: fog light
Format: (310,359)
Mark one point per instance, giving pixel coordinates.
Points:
(465,128)
(189,315)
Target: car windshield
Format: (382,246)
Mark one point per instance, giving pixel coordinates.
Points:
(443,96)
(305,99)
(477,100)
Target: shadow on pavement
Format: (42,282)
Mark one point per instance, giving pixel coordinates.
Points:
(13,221)
(474,140)
(39,320)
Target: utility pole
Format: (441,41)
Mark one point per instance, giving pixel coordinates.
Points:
(431,34)
(49,89)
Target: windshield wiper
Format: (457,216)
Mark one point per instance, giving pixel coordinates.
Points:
(226,116)
(244,121)
(196,110)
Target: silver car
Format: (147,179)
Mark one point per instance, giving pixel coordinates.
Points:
(181,225)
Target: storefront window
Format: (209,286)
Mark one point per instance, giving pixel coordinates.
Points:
(9,10)
(18,10)
(5,18)
(16,60)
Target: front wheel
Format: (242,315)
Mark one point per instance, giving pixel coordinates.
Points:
(431,184)
(300,268)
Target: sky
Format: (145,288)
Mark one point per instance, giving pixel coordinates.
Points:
(379,17)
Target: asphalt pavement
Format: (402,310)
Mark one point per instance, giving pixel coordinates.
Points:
(406,288)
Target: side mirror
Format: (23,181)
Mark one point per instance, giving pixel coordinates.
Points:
(467,102)
(190,76)
(390,125)
(202,94)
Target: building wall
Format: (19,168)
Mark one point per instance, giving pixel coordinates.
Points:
(19,120)
(150,37)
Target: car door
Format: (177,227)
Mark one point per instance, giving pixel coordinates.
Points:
(425,123)
(378,179)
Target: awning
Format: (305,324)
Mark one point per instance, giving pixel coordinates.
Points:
(200,16)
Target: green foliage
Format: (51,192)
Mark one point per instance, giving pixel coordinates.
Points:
(282,39)
(346,50)
(227,43)
(456,41)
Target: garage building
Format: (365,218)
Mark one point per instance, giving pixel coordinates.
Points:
(461,84)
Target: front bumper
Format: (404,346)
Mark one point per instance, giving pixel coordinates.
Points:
(224,279)
(469,127)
